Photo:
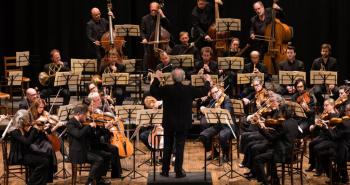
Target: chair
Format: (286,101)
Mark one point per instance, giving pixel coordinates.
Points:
(10,65)
(80,167)
(294,163)
(10,170)
(5,97)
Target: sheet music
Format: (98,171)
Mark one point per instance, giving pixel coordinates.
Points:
(22,58)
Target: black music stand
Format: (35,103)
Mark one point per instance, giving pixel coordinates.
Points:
(247,78)
(197,80)
(323,78)
(166,79)
(64,114)
(86,67)
(127,30)
(231,63)
(14,79)
(182,61)
(297,109)
(22,59)
(227,25)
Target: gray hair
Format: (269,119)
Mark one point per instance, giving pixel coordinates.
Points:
(19,120)
(278,97)
(178,75)
(80,109)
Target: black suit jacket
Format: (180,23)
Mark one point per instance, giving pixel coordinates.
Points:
(177,103)
(249,68)
(297,65)
(77,138)
(331,64)
(148,24)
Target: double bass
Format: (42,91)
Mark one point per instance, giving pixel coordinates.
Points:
(110,40)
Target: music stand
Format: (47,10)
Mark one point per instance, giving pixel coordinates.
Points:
(14,79)
(135,86)
(166,79)
(130,65)
(64,114)
(22,58)
(226,25)
(323,78)
(247,78)
(127,30)
(227,63)
(197,80)
(289,77)
(113,79)
(182,61)
(297,109)
(84,65)
(128,113)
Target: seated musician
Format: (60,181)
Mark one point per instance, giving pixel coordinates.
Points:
(31,96)
(324,63)
(185,48)
(23,135)
(343,99)
(112,63)
(291,64)
(56,65)
(165,64)
(220,101)
(318,143)
(206,65)
(306,101)
(80,148)
(100,141)
(255,66)
(258,96)
(280,138)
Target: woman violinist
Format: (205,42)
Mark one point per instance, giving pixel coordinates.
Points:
(343,99)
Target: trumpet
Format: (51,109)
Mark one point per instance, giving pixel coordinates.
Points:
(44,77)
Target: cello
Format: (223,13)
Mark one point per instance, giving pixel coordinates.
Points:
(109,40)
(277,34)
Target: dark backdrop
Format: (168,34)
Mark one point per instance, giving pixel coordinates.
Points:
(41,25)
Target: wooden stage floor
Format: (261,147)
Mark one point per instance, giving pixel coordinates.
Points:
(193,162)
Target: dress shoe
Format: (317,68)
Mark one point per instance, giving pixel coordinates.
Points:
(317,174)
(241,165)
(103,182)
(164,174)
(310,169)
(180,174)
(214,155)
(249,176)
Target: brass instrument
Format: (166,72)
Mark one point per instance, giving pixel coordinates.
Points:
(44,77)
(109,69)
(96,79)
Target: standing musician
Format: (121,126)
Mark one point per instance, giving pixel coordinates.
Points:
(291,64)
(100,141)
(222,101)
(255,66)
(177,115)
(31,97)
(23,135)
(343,99)
(56,65)
(317,144)
(259,22)
(207,65)
(95,28)
(147,27)
(306,101)
(185,47)
(80,148)
(324,63)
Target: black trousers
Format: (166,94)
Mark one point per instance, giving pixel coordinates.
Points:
(224,137)
(254,148)
(260,161)
(99,161)
(169,137)
(45,93)
(38,169)
(115,161)
(314,146)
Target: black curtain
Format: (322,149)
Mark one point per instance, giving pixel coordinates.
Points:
(41,25)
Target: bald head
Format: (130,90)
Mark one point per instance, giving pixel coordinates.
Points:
(31,95)
(153,8)
(254,57)
(95,14)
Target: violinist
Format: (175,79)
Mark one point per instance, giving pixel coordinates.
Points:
(291,64)
(100,139)
(23,135)
(206,65)
(56,65)
(306,101)
(259,22)
(31,97)
(80,148)
(343,99)
(258,97)
(319,143)
(95,28)
(221,101)
(185,48)
(147,27)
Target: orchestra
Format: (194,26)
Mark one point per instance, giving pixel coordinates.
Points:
(273,119)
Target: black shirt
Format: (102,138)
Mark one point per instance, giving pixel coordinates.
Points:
(330,65)
(202,19)
(148,25)
(287,65)
(95,30)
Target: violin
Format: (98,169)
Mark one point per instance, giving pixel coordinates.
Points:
(261,97)
(340,101)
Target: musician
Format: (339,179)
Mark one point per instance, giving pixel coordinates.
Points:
(255,66)
(324,63)
(31,96)
(95,28)
(80,148)
(306,101)
(100,140)
(207,65)
(291,64)
(259,96)
(317,144)
(56,65)
(185,47)
(202,18)
(343,99)
(165,64)
(112,63)
(147,27)
(177,115)
(219,100)
(23,135)
(259,22)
